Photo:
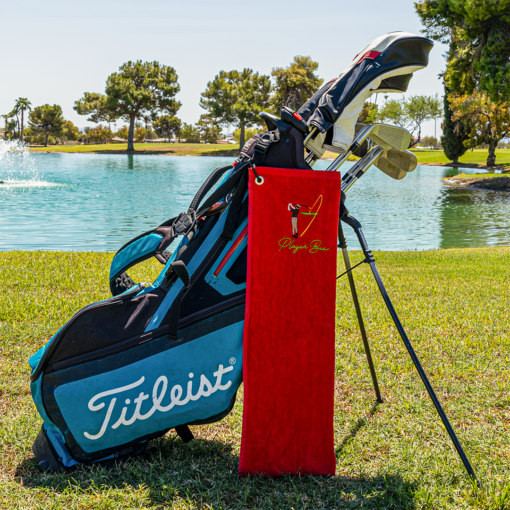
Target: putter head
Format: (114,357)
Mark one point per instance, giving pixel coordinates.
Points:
(396,164)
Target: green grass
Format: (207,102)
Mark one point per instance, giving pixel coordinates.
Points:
(425,156)
(478,176)
(477,157)
(455,306)
(176,149)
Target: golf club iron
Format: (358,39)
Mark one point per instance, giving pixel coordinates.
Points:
(384,135)
(396,164)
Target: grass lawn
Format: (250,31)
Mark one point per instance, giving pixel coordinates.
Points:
(455,306)
(425,156)
(175,149)
(477,157)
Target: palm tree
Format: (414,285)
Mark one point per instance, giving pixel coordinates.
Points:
(22,104)
(147,117)
(10,125)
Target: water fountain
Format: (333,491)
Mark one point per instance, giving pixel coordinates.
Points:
(17,165)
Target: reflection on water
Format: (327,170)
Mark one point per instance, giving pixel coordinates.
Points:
(474,218)
(98,202)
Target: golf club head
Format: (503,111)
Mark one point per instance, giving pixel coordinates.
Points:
(390,137)
(396,164)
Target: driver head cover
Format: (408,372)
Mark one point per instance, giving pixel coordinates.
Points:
(384,65)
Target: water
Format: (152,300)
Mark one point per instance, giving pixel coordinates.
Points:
(98,202)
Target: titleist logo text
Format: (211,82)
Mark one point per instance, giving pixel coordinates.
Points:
(159,392)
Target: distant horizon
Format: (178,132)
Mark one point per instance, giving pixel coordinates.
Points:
(197,40)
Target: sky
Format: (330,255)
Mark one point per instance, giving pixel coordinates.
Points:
(54,51)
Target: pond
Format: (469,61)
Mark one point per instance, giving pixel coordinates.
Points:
(98,202)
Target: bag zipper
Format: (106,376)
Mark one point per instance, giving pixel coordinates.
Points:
(56,341)
(146,337)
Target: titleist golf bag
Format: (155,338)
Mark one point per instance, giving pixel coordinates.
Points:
(169,354)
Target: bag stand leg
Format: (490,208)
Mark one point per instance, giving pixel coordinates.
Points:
(347,262)
(356,226)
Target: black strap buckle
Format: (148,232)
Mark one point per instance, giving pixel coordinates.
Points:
(184,223)
(266,139)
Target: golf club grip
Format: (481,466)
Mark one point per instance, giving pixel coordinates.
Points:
(422,374)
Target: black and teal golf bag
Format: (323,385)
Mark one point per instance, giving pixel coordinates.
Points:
(164,355)
(167,355)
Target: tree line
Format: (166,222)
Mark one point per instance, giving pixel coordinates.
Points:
(477,75)
(475,107)
(142,94)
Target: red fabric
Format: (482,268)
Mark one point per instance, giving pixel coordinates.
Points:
(371,55)
(289,330)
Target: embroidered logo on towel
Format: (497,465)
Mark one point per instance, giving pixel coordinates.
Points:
(308,214)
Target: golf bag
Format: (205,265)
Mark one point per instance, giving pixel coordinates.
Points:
(169,354)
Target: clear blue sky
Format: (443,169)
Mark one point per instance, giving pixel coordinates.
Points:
(54,50)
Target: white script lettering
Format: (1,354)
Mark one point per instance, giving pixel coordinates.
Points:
(159,391)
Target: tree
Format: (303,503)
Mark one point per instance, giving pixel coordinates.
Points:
(47,119)
(489,121)
(295,83)
(249,133)
(99,134)
(368,114)
(96,106)
(411,113)
(167,125)
(122,133)
(140,86)
(208,128)
(430,141)
(22,105)
(237,97)
(139,134)
(147,117)
(190,133)
(71,131)
(454,134)
(10,125)
(479,59)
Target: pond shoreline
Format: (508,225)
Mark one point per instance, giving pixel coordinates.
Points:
(219,154)
(499,182)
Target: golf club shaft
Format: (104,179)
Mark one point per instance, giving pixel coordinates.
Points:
(347,262)
(360,168)
(358,140)
(352,222)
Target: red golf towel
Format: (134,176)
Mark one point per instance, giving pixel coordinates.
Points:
(289,329)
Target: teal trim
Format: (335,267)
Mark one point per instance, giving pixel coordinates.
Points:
(56,440)
(133,251)
(36,390)
(193,265)
(221,283)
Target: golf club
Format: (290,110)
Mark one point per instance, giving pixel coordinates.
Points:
(396,164)
(385,136)
(360,167)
